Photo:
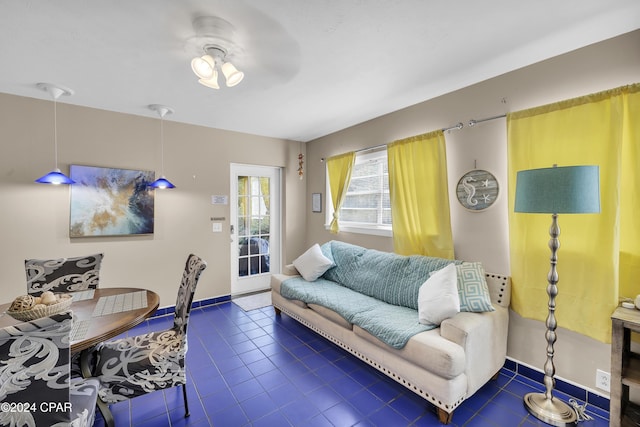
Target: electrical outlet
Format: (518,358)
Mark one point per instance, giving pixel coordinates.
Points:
(603,380)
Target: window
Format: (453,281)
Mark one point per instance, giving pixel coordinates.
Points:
(366,207)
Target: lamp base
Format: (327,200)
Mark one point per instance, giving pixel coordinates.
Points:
(550,411)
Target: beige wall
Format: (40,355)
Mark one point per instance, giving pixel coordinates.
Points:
(35,217)
(483,236)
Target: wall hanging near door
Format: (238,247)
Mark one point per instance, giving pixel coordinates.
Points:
(111,202)
(477,190)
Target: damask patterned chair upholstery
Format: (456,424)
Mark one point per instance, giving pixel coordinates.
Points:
(133,366)
(63,274)
(35,371)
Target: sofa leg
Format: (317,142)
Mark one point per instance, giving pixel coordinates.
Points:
(277,310)
(444,416)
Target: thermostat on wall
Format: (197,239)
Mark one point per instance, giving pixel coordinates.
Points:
(219,200)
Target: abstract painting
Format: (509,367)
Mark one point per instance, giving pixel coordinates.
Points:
(110,202)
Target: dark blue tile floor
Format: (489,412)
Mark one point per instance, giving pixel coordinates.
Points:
(257,369)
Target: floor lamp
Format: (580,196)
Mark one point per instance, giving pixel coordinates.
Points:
(556,190)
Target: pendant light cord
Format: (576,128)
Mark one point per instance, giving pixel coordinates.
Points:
(162,144)
(55,132)
(161,110)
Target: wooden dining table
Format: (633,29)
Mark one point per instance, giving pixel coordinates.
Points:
(94,323)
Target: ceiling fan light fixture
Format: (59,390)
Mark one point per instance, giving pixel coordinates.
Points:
(231,74)
(214,36)
(203,66)
(211,82)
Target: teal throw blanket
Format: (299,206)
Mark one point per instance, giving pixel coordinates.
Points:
(389,277)
(392,324)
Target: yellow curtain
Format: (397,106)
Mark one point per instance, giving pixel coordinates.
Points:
(419,196)
(339,172)
(264,191)
(630,196)
(596,250)
(243,190)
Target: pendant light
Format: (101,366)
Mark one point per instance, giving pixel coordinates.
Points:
(162,111)
(55,177)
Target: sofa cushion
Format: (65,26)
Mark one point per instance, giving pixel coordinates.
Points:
(428,350)
(394,325)
(472,288)
(312,264)
(388,277)
(344,301)
(330,315)
(438,297)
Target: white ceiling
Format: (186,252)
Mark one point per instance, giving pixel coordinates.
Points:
(312,67)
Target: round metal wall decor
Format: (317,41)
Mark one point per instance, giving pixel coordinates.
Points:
(477,190)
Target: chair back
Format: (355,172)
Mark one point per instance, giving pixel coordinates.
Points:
(190,277)
(34,371)
(63,274)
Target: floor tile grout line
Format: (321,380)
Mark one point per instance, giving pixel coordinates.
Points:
(302,346)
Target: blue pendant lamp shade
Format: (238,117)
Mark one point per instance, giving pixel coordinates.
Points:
(55,177)
(570,189)
(162,182)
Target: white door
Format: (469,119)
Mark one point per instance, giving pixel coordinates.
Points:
(255,227)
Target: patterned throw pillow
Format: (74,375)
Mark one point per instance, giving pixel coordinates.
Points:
(472,288)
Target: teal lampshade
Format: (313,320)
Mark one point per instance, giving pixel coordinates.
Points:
(570,189)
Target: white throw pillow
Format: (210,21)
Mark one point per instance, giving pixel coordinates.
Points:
(438,297)
(312,264)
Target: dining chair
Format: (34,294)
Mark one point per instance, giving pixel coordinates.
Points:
(35,384)
(133,366)
(63,274)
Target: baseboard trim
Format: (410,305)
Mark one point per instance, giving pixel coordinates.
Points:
(164,311)
(577,391)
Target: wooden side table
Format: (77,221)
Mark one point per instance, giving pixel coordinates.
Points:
(625,367)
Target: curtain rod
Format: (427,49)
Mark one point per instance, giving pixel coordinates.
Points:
(457,126)
(378,147)
(472,122)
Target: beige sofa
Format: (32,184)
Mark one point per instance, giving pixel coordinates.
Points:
(445,365)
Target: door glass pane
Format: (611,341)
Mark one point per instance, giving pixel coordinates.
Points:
(244,271)
(242,226)
(253,225)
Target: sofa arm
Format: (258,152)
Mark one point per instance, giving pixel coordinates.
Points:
(290,270)
(483,336)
